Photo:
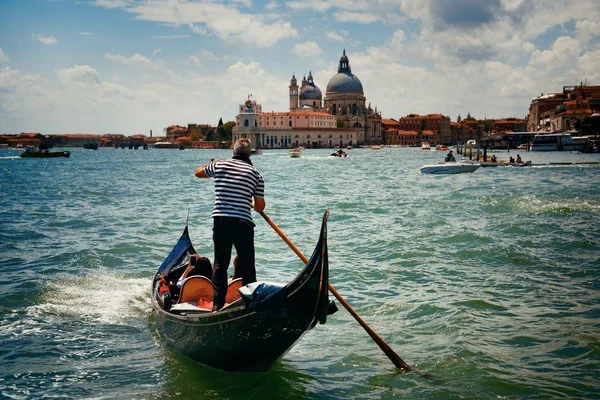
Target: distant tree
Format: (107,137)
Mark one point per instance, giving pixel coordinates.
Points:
(220,122)
(227,131)
(210,135)
(196,134)
(340,123)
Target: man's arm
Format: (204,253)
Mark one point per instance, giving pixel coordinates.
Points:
(200,172)
(259,204)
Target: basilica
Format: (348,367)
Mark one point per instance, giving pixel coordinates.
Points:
(338,120)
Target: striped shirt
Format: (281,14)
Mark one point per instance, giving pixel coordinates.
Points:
(236,182)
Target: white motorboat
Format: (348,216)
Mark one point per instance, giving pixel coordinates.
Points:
(295,153)
(425,146)
(445,168)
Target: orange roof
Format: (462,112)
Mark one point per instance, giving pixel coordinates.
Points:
(389,121)
(407,133)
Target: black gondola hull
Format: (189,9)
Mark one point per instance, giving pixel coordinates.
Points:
(241,338)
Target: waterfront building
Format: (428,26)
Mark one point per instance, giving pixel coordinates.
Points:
(433,128)
(563,111)
(338,120)
(508,125)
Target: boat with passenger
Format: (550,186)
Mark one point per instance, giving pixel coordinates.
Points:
(425,146)
(558,141)
(260,322)
(339,153)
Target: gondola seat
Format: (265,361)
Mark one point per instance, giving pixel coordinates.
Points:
(197,289)
(233,290)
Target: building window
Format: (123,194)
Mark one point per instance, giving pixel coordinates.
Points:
(290,123)
(246,122)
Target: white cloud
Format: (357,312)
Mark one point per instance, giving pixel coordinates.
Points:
(586,30)
(3,57)
(45,40)
(358,17)
(307,50)
(272,5)
(565,50)
(226,22)
(335,37)
(137,60)
(79,75)
(588,65)
(113,3)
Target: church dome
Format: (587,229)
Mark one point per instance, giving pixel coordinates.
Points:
(344,81)
(309,91)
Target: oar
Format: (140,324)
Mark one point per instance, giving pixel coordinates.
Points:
(395,358)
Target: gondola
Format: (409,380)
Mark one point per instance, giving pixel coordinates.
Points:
(254,331)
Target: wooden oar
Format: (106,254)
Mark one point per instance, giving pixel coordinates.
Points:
(395,358)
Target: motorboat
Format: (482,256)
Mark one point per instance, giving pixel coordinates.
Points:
(425,146)
(339,154)
(295,153)
(446,168)
(442,147)
(376,147)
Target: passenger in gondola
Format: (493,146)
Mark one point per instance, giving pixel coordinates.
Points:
(519,159)
(511,160)
(450,157)
(494,159)
(197,266)
(164,292)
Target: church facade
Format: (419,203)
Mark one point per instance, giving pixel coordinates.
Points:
(340,119)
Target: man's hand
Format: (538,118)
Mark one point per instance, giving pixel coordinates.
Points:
(200,173)
(258,204)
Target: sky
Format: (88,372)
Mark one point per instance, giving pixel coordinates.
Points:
(132,66)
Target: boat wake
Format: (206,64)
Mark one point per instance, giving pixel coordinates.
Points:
(98,297)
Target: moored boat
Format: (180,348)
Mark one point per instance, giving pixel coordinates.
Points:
(558,141)
(446,168)
(255,330)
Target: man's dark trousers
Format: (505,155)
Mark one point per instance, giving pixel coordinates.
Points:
(227,232)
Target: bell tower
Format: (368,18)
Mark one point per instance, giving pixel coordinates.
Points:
(293,93)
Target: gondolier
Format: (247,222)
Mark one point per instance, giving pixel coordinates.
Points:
(239,187)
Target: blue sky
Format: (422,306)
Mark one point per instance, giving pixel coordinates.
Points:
(131,66)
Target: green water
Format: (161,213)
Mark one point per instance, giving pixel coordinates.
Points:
(489,281)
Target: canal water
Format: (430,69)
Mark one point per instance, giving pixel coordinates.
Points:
(488,282)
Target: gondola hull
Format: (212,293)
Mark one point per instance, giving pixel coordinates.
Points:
(251,337)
